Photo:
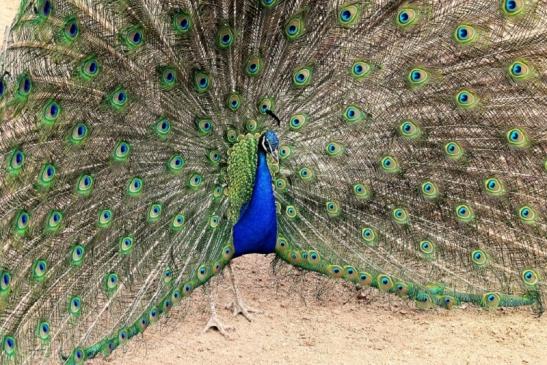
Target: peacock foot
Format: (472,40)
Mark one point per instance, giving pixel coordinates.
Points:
(215,323)
(238,307)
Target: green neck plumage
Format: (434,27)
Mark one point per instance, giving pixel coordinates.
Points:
(242,164)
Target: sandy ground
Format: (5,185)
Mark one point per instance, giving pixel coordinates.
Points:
(8,8)
(308,319)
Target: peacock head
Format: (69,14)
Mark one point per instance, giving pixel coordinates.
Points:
(269,143)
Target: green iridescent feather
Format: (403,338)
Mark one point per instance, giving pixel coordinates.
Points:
(411,159)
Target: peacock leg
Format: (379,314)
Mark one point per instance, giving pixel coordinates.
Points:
(214,322)
(238,306)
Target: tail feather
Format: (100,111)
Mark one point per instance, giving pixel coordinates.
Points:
(412,154)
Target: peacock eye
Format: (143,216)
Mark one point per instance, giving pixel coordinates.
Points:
(352,114)
(182,22)
(302,77)
(298,121)
(334,149)
(465,34)
(71,30)
(118,99)
(265,104)
(369,235)
(201,81)
(136,37)
(390,164)
(79,134)
(427,247)
(406,17)
(50,113)
(268,3)
(466,99)
(135,186)
(512,7)
(162,128)
(84,185)
(77,257)
(168,78)
(121,151)
(349,15)
(43,8)
(295,27)
(233,101)
(225,37)
(400,216)
(253,66)
(518,138)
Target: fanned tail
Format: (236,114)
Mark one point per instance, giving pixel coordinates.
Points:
(412,155)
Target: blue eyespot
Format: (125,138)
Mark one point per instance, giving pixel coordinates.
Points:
(53,110)
(351,112)
(19,157)
(47,8)
(346,15)
(407,127)
(137,37)
(73,30)
(510,5)
(6,279)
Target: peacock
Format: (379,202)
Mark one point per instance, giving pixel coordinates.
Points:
(394,144)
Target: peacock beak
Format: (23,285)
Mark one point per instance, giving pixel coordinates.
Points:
(275,154)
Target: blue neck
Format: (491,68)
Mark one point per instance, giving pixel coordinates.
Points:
(256,229)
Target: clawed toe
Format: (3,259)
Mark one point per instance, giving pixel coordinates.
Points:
(214,323)
(240,308)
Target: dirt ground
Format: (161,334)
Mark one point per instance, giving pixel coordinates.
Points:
(308,319)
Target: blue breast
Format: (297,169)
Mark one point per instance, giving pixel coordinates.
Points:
(256,229)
